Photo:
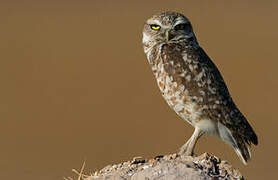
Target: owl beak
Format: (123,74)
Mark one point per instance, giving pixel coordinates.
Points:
(168,35)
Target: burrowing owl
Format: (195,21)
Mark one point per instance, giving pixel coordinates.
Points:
(192,85)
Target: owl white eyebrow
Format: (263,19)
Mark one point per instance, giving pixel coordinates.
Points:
(154,22)
(180,21)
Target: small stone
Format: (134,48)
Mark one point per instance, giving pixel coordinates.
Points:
(158,157)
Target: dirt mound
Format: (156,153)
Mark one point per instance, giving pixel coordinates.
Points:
(168,167)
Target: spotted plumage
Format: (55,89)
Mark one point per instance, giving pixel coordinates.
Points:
(192,85)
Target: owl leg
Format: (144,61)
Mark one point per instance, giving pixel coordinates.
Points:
(188,148)
(184,147)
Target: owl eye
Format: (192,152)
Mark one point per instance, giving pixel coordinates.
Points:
(182,26)
(155,27)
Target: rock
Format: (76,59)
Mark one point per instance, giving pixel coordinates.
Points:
(169,167)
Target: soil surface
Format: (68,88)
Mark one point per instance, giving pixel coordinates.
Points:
(169,167)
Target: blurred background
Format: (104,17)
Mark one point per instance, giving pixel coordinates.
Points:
(76,86)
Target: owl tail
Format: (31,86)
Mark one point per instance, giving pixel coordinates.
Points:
(242,149)
(239,143)
(243,142)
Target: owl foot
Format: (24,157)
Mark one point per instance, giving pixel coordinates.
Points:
(184,150)
(188,148)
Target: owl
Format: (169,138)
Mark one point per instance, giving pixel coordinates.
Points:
(192,85)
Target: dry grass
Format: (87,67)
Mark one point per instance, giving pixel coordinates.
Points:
(80,174)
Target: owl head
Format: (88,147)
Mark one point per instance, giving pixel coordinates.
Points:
(167,27)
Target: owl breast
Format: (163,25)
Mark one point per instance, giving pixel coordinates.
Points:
(175,95)
(182,81)
(175,92)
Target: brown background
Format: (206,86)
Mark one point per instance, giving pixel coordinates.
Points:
(75,84)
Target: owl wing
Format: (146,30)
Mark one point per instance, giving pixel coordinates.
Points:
(230,116)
